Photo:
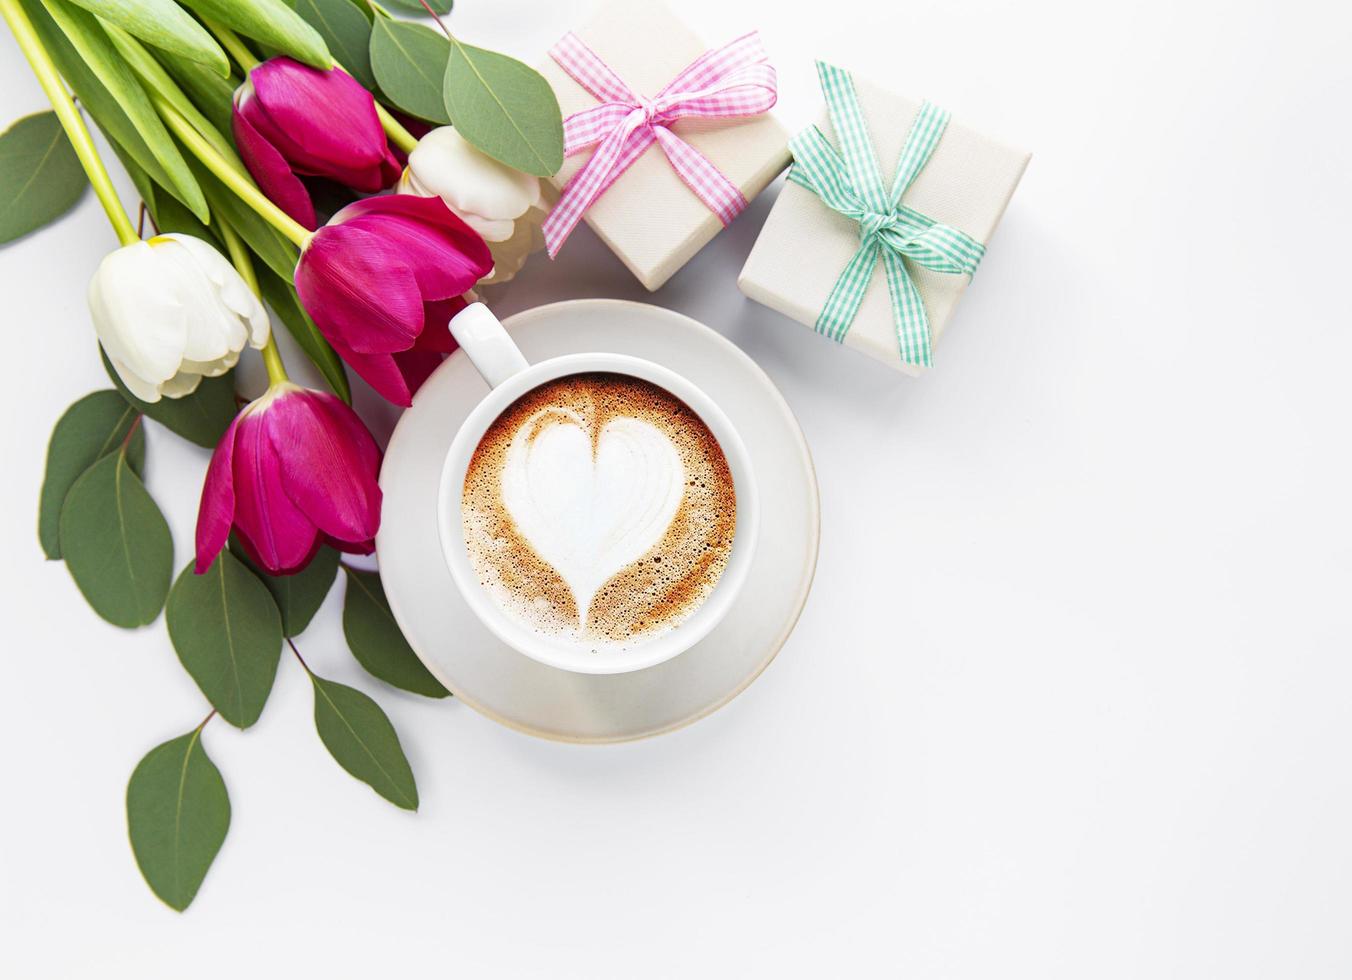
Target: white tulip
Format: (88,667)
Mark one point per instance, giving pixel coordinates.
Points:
(171,311)
(503,205)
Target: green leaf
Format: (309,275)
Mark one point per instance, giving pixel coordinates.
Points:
(40,175)
(97,51)
(409,63)
(345,30)
(228,635)
(201,417)
(170,215)
(376,641)
(269,244)
(281,296)
(178,813)
(93,427)
(362,740)
(162,24)
(271,22)
(212,94)
(116,543)
(145,187)
(413,6)
(298,596)
(505,108)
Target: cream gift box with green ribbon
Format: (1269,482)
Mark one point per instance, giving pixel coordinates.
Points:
(884,219)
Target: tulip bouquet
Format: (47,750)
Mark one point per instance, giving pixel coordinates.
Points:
(271,174)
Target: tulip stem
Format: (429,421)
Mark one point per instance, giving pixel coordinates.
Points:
(239,258)
(395,130)
(243,187)
(71,120)
(233,44)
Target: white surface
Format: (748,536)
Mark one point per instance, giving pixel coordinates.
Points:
(1070,698)
(776,565)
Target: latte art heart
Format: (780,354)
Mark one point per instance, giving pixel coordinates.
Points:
(598,509)
(590,507)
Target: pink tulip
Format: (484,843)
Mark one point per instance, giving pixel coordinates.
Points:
(291,120)
(296,469)
(381,281)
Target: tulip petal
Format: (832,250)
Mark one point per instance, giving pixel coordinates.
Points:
(446,255)
(489,195)
(359,291)
(137,315)
(380,372)
(436,335)
(416,366)
(216,512)
(282,537)
(273,174)
(231,290)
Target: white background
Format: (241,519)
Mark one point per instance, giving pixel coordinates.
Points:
(1070,698)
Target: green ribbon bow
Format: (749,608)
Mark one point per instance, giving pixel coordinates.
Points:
(851,183)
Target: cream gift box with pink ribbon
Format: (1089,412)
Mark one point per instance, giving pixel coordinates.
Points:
(962,185)
(670,137)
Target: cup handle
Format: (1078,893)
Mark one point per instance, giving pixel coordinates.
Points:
(482,336)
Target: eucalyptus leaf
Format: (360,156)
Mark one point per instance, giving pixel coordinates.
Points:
(298,596)
(361,739)
(273,23)
(178,813)
(505,108)
(96,425)
(96,49)
(40,175)
(116,543)
(201,417)
(376,640)
(281,296)
(162,24)
(228,635)
(413,6)
(345,30)
(409,62)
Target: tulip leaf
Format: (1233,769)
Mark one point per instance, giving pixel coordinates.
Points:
(116,543)
(162,24)
(273,23)
(269,244)
(228,635)
(40,175)
(212,94)
(505,108)
(361,739)
(345,30)
(96,425)
(201,417)
(178,813)
(409,62)
(413,6)
(299,595)
(92,44)
(171,216)
(376,641)
(281,296)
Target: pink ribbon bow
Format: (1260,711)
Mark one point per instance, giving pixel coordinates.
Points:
(732,81)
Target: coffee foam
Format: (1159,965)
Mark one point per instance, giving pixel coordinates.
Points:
(598,508)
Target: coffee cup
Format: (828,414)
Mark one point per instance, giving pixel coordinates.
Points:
(571,483)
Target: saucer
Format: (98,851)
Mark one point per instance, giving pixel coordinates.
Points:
(557,704)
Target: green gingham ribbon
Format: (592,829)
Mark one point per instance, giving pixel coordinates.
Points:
(849,181)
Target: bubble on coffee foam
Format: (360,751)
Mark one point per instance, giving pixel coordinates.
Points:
(653,593)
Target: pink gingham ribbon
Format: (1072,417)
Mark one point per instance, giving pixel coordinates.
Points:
(732,81)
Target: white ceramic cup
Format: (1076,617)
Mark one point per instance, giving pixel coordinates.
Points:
(502,365)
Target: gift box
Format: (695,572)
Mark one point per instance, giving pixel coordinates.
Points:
(875,236)
(665,205)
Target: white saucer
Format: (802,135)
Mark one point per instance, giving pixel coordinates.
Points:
(557,704)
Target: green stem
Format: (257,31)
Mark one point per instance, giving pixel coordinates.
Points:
(71,120)
(398,135)
(233,44)
(239,258)
(242,186)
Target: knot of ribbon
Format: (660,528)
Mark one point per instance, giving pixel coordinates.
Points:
(850,182)
(728,82)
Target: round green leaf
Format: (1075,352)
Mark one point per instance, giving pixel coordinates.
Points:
(362,740)
(178,813)
(228,635)
(413,6)
(40,176)
(409,63)
(376,641)
(116,543)
(90,429)
(345,30)
(505,108)
(201,417)
(165,25)
(300,595)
